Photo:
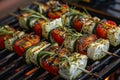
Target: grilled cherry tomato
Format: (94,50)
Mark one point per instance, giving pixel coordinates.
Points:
(22,44)
(101,29)
(83,42)
(58,36)
(77,25)
(38,27)
(2,45)
(51,64)
(110,22)
(56,14)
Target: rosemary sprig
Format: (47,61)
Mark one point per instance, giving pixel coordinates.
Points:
(34,12)
(75,12)
(65,58)
(86,11)
(56,9)
(3,32)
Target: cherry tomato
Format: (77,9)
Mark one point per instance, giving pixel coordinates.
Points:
(110,22)
(101,29)
(38,27)
(49,65)
(57,14)
(64,8)
(22,44)
(57,36)
(53,15)
(77,25)
(2,45)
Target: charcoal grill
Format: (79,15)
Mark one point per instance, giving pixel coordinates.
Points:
(13,67)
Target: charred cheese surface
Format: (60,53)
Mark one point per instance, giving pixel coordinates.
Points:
(96,49)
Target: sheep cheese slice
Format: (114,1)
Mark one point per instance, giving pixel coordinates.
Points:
(47,27)
(23,21)
(9,41)
(69,42)
(96,49)
(31,53)
(113,35)
(89,25)
(66,19)
(69,66)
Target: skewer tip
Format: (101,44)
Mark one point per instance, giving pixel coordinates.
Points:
(13,14)
(90,73)
(112,54)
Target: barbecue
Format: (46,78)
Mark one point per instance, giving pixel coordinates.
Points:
(10,62)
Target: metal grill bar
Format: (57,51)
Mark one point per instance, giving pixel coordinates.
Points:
(18,62)
(21,72)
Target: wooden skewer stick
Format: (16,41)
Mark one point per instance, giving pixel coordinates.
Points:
(36,3)
(90,73)
(112,54)
(13,14)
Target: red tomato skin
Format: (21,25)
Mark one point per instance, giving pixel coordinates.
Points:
(21,49)
(2,45)
(77,25)
(57,14)
(56,37)
(101,31)
(52,15)
(38,29)
(110,22)
(50,68)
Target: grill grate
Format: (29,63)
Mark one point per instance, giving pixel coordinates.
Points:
(13,67)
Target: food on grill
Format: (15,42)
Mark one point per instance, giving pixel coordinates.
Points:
(70,41)
(29,18)
(96,49)
(57,11)
(62,59)
(56,61)
(38,27)
(83,42)
(103,27)
(48,59)
(9,41)
(5,31)
(57,35)
(32,52)
(52,9)
(84,23)
(23,20)
(81,22)
(22,44)
(89,25)
(113,36)
(46,28)
(69,65)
